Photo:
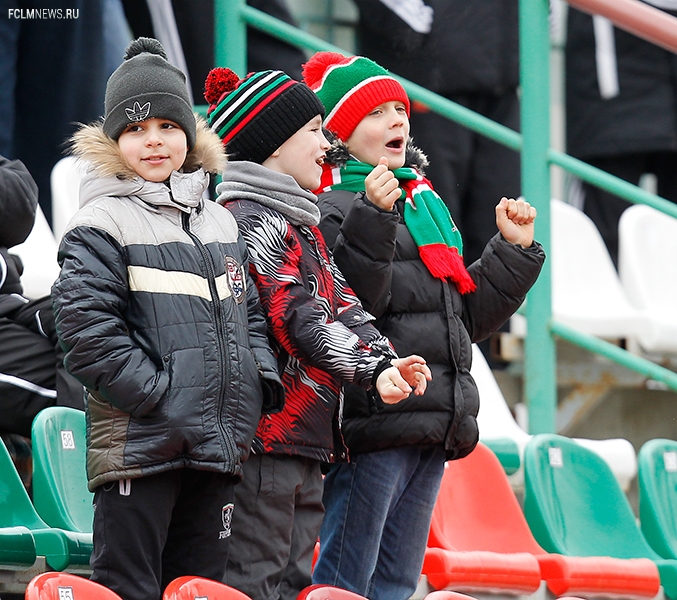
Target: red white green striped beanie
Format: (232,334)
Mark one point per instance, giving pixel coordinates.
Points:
(350,88)
(256,115)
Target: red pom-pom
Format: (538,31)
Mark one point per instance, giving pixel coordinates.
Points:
(317,66)
(220,81)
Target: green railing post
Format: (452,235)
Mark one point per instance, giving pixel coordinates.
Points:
(230,35)
(540,368)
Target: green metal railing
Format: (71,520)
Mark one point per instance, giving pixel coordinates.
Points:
(540,368)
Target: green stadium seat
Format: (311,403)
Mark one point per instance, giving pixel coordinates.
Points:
(60,548)
(658,495)
(480,540)
(575,507)
(60,493)
(66,586)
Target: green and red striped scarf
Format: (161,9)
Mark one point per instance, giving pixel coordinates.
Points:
(426,216)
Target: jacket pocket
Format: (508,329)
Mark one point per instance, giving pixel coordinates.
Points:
(175,425)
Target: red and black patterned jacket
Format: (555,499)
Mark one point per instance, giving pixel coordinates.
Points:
(322,335)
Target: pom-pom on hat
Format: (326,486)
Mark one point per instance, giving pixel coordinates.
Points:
(147,86)
(350,88)
(256,115)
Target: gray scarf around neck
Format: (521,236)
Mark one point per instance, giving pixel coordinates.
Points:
(244,180)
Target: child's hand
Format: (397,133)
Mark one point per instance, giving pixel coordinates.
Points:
(515,221)
(381,186)
(407,374)
(415,372)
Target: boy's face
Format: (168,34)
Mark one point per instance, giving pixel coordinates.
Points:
(302,155)
(383,132)
(154,148)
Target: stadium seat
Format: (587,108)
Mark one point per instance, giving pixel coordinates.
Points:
(647,248)
(38,254)
(447,595)
(320,591)
(60,493)
(190,587)
(497,424)
(60,548)
(66,586)
(575,507)
(17,547)
(658,495)
(587,293)
(480,540)
(65,181)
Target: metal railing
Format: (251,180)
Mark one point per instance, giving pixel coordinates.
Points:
(654,25)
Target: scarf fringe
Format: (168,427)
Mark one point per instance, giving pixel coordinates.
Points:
(446,263)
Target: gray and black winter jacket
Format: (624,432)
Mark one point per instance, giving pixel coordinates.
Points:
(160,320)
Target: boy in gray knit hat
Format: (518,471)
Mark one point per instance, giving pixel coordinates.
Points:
(161,323)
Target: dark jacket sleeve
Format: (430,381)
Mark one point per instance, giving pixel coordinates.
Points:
(89,299)
(503,274)
(362,239)
(18,202)
(273,391)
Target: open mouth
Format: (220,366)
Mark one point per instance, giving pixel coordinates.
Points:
(320,161)
(395,144)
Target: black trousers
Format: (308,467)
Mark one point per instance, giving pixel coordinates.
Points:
(151,530)
(32,374)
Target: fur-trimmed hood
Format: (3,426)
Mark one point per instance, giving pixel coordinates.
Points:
(109,174)
(339,155)
(92,145)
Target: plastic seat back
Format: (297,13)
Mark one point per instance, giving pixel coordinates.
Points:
(658,495)
(60,489)
(16,508)
(574,504)
(190,587)
(66,586)
(59,547)
(65,180)
(476,508)
(320,591)
(646,252)
(38,254)
(587,293)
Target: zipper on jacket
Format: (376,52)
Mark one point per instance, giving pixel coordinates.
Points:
(221,337)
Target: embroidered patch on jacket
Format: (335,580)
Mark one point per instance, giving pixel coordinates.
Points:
(138,112)
(235,279)
(226,519)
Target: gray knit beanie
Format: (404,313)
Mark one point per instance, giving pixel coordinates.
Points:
(147,86)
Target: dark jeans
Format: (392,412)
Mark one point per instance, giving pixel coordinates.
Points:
(375,530)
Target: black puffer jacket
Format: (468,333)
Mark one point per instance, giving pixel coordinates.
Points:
(18,203)
(420,315)
(160,319)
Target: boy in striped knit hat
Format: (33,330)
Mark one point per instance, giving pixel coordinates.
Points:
(272,129)
(397,245)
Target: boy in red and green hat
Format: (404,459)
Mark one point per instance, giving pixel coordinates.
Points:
(398,247)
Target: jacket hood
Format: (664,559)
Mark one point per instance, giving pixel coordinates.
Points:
(339,155)
(92,145)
